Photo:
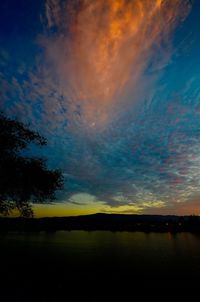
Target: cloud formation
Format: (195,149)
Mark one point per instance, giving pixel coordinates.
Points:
(100,50)
(99,89)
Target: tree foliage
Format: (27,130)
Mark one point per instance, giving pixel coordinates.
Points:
(23,180)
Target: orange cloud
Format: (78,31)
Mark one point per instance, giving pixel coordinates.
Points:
(106,48)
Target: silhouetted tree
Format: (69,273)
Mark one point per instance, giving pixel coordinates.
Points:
(23,180)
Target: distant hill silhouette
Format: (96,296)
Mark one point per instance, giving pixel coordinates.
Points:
(112,222)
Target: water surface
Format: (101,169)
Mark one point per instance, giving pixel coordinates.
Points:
(66,262)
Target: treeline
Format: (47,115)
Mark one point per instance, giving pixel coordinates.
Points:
(24,179)
(111,222)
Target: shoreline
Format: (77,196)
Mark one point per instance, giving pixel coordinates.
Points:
(104,222)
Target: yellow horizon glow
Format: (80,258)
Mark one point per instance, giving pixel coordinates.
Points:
(59,211)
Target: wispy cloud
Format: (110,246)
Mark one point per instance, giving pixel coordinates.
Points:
(99,51)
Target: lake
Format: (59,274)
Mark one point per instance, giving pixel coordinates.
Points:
(70,263)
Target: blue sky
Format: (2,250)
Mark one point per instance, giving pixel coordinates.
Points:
(114,86)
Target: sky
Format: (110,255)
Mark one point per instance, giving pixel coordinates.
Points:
(114,87)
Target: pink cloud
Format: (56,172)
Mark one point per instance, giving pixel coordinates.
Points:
(100,55)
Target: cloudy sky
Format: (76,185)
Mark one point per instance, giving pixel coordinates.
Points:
(114,87)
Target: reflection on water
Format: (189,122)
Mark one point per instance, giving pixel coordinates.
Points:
(63,261)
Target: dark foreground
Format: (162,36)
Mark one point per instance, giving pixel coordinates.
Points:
(110,222)
(98,266)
